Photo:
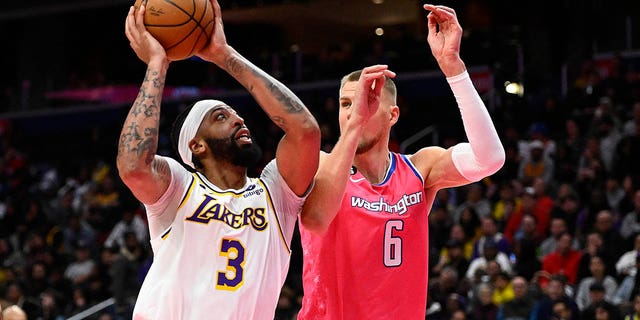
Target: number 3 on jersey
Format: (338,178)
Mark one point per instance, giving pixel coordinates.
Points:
(392,244)
(232,277)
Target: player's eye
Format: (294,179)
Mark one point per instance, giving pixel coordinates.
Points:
(345,104)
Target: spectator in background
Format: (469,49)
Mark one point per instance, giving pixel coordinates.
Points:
(489,231)
(482,306)
(543,206)
(593,246)
(630,184)
(569,209)
(446,283)
(459,234)
(105,201)
(49,306)
(121,266)
(130,222)
(630,226)
(562,311)
(456,307)
(614,243)
(609,135)
(564,261)
(507,203)
(554,299)
(626,265)
(452,256)
(598,275)
(614,193)
(536,165)
(520,307)
(528,230)
(634,314)
(470,222)
(514,221)
(536,202)
(631,125)
(478,266)
(573,138)
(526,258)
(591,171)
(557,228)
(440,223)
(475,200)
(502,288)
(14,295)
(627,151)
(81,267)
(76,232)
(628,288)
(599,307)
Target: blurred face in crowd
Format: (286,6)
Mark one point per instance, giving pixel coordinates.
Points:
(558,226)
(555,289)
(564,243)
(561,311)
(596,265)
(519,285)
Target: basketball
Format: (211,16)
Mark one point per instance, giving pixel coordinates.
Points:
(183,27)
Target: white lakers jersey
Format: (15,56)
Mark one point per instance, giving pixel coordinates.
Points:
(218,254)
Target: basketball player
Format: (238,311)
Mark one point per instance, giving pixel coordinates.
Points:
(364,226)
(221,240)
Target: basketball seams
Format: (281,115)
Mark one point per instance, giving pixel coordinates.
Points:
(184,42)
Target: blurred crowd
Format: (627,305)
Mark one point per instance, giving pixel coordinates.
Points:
(555,234)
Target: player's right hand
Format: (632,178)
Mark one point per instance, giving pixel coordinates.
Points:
(368,91)
(146,47)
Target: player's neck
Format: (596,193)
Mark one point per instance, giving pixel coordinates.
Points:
(373,164)
(226,177)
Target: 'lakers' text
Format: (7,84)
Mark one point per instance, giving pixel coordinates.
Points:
(210,209)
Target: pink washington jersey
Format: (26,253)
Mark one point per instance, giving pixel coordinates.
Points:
(372,263)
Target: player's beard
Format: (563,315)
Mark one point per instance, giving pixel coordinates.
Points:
(247,155)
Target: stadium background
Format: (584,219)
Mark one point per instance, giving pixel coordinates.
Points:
(68,77)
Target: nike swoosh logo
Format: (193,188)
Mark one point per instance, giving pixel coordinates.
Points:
(355,180)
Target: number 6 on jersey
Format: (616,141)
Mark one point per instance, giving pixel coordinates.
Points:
(392,244)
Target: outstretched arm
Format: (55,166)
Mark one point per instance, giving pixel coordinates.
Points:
(301,141)
(146,175)
(323,203)
(483,155)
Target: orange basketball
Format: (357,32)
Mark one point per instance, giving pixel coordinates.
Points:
(183,27)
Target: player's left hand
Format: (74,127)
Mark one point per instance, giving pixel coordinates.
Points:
(218,42)
(445,35)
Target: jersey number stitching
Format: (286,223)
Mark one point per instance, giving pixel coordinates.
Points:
(392,244)
(232,278)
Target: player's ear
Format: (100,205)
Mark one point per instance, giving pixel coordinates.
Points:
(394,113)
(197,146)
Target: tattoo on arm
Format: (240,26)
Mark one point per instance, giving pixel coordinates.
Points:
(143,141)
(283,95)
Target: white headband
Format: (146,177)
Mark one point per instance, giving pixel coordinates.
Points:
(190,127)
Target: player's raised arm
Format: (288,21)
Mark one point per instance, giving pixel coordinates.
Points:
(483,155)
(357,104)
(297,153)
(146,175)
